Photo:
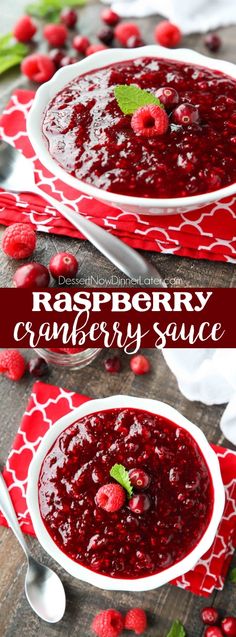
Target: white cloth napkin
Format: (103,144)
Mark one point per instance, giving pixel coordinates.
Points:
(208,375)
(192,16)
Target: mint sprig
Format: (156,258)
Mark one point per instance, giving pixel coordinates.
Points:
(177,630)
(131,97)
(11,53)
(50,9)
(119,473)
(232,575)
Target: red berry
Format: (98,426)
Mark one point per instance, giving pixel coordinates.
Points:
(150,121)
(134,41)
(168,97)
(108,623)
(81,43)
(213,631)
(69,17)
(38,367)
(139,478)
(186,114)
(19,240)
(110,17)
(67,60)
(94,48)
(55,34)
(24,29)
(38,67)
(139,503)
(31,275)
(228,626)
(167,34)
(136,620)
(66,350)
(110,497)
(210,616)
(56,55)
(140,364)
(63,264)
(113,364)
(125,31)
(213,42)
(12,364)
(106,35)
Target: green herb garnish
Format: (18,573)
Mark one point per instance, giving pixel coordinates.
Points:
(232,575)
(50,9)
(11,53)
(121,475)
(130,98)
(177,630)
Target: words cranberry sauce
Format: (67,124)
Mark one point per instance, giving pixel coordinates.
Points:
(125,543)
(90,137)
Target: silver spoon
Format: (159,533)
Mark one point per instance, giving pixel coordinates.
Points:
(17,175)
(43,588)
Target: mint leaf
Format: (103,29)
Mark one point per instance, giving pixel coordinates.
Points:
(232,575)
(50,8)
(177,630)
(130,98)
(120,474)
(11,53)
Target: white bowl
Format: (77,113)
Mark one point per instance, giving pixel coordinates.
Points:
(85,574)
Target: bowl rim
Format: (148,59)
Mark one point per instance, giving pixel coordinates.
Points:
(102,59)
(84,573)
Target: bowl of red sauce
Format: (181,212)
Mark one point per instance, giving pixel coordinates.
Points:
(116,537)
(81,134)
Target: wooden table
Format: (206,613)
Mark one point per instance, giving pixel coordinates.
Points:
(178,271)
(83,601)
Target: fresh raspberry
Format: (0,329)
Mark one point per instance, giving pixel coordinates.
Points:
(66,350)
(110,497)
(108,623)
(69,17)
(110,17)
(94,48)
(81,43)
(125,31)
(12,364)
(210,616)
(24,29)
(63,264)
(38,67)
(139,364)
(136,620)
(55,34)
(167,34)
(228,626)
(19,240)
(150,121)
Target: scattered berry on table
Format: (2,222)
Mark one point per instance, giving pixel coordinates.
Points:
(67,60)
(110,497)
(134,41)
(112,364)
(81,43)
(139,503)
(228,626)
(69,17)
(12,364)
(55,34)
(106,35)
(24,29)
(168,96)
(108,623)
(150,121)
(38,367)
(213,42)
(125,31)
(19,240)
(210,615)
(139,364)
(38,67)
(136,620)
(186,114)
(110,17)
(56,55)
(63,264)
(31,275)
(139,478)
(167,34)
(95,48)
(213,631)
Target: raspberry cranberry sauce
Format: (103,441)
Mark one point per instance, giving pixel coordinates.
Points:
(134,541)
(90,137)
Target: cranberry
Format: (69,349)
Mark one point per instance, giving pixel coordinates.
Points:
(228,626)
(31,275)
(139,503)
(38,367)
(68,59)
(168,96)
(139,478)
(139,364)
(213,631)
(113,364)
(38,67)
(110,17)
(63,264)
(210,615)
(55,34)
(134,41)
(167,34)
(56,55)
(213,42)
(95,48)
(81,43)
(186,114)
(69,17)
(106,35)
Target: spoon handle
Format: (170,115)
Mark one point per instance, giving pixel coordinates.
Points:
(125,258)
(8,511)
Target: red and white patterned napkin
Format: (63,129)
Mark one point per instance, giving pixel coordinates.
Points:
(207,233)
(47,404)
